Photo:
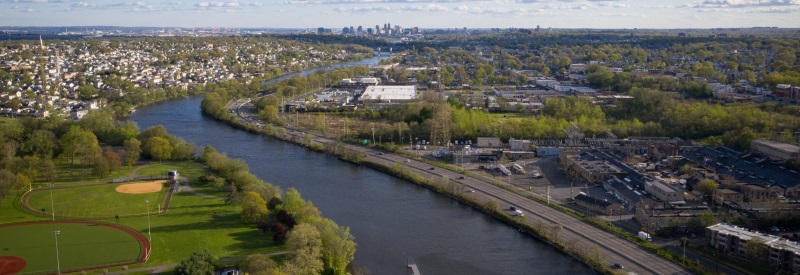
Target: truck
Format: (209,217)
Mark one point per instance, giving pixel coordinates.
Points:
(518,168)
(644,236)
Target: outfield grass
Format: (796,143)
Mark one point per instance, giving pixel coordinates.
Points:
(194,223)
(96,201)
(79,245)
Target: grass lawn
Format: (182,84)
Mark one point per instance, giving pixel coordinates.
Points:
(81,173)
(4,120)
(190,170)
(79,245)
(511,115)
(194,223)
(96,201)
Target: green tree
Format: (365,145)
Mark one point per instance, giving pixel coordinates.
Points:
(79,143)
(306,244)
(8,181)
(41,143)
(132,150)
(707,186)
(259,265)
(158,148)
(254,208)
(338,246)
(200,263)
(756,249)
(600,76)
(48,170)
(182,150)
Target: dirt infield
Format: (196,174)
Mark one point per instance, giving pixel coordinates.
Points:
(11,264)
(141,187)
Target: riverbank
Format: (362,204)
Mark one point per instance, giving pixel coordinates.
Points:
(350,153)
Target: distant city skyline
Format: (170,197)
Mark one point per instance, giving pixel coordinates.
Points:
(657,14)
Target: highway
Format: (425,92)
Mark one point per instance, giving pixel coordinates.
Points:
(574,232)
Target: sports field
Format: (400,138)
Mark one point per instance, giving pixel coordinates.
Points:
(80,245)
(106,200)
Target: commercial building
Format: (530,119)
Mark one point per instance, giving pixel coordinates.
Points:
(389,94)
(588,167)
(731,239)
(663,191)
(727,195)
(623,190)
(489,142)
(597,205)
(654,215)
(775,150)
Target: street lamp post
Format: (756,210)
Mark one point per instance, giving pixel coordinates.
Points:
(149,237)
(58,261)
(52,204)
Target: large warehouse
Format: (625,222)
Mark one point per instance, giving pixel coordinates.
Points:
(389,94)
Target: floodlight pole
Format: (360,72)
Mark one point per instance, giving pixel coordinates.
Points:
(58,261)
(149,237)
(52,205)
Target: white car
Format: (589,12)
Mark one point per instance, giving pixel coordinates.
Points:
(537,176)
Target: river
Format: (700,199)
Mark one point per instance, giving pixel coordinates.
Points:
(393,221)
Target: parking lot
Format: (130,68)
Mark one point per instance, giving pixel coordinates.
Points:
(561,188)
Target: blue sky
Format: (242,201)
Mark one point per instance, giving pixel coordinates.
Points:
(406,13)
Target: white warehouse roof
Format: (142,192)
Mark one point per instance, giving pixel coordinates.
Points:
(386,93)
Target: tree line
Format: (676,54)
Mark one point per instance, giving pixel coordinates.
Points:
(32,150)
(317,244)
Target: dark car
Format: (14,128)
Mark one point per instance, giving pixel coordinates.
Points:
(618,266)
(432,168)
(461,177)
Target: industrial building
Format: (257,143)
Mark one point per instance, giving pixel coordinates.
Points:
(775,150)
(389,94)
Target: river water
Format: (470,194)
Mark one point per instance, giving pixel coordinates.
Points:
(393,221)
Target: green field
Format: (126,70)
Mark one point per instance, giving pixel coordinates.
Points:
(192,223)
(511,115)
(96,201)
(79,245)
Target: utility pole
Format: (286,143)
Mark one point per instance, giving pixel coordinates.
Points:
(58,261)
(52,205)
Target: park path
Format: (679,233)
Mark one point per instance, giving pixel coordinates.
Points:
(158,269)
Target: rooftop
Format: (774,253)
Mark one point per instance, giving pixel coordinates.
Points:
(380,92)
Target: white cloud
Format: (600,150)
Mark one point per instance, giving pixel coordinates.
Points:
(428,8)
(747,3)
